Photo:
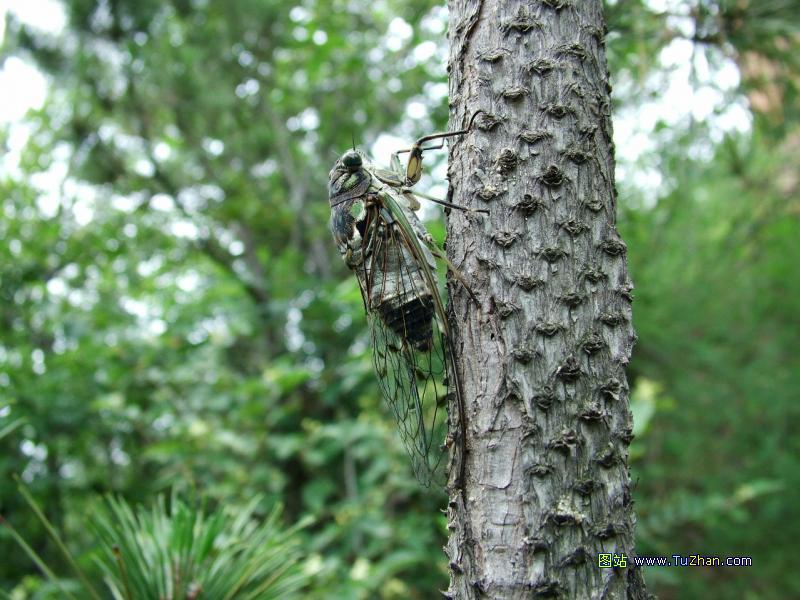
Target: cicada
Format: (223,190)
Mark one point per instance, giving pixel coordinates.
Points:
(381,239)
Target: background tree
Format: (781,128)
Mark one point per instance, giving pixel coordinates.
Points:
(548,423)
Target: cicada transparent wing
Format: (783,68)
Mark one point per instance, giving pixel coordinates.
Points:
(406,318)
(410,389)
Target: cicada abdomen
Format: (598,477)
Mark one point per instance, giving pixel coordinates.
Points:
(398,290)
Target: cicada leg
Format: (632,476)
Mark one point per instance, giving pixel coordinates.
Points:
(396,166)
(414,164)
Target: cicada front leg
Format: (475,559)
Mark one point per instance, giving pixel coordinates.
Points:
(396,165)
(414,164)
(413,171)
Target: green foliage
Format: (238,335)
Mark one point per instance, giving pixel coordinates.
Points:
(718,462)
(715,373)
(174,315)
(179,552)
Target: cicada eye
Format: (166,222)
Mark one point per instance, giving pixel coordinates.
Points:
(352,160)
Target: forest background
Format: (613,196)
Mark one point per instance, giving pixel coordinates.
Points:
(175,316)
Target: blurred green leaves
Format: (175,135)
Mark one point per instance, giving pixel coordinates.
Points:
(174,316)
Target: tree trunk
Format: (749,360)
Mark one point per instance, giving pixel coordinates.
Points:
(542,360)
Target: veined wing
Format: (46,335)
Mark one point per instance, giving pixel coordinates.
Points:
(413,385)
(407,322)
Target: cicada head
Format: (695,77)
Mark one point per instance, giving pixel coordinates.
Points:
(349,177)
(352,160)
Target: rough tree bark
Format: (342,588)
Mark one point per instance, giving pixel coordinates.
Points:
(543,358)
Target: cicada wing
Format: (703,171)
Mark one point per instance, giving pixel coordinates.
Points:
(423,249)
(410,388)
(410,351)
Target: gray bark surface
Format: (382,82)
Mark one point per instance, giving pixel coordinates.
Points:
(542,360)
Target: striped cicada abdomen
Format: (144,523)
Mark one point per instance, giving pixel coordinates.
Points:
(398,290)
